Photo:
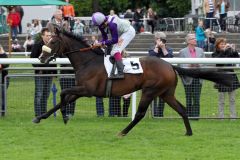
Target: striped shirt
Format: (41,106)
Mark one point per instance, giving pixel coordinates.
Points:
(211,6)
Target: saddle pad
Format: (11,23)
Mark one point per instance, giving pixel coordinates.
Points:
(131,65)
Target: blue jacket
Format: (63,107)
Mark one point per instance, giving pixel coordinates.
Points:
(200,35)
(160,54)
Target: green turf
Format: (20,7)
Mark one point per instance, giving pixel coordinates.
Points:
(87,137)
(95,139)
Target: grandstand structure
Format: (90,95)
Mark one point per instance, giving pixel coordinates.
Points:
(142,42)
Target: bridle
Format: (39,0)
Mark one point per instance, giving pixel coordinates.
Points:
(54,56)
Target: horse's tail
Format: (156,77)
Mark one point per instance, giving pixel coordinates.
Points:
(210,74)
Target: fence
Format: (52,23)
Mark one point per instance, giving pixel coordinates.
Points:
(182,24)
(20,93)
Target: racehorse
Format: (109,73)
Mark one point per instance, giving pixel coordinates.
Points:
(159,77)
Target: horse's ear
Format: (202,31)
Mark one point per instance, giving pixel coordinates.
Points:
(56,29)
(53,28)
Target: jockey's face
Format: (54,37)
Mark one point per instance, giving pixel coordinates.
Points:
(105,24)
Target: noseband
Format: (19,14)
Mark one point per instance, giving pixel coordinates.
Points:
(54,56)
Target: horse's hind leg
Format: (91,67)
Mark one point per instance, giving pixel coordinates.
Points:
(142,108)
(180,109)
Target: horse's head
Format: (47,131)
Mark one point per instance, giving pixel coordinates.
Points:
(64,42)
(55,46)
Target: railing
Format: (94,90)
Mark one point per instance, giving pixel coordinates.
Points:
(182,24)
(170,60)
(132,53)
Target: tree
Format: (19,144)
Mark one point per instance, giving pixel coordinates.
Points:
(164,8)
(180,7)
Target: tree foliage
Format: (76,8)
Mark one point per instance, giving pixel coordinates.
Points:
(164,8)
(179,7)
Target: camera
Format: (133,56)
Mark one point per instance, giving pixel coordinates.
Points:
(163,40)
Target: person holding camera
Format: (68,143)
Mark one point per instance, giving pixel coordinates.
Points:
(225,50)
(160,50)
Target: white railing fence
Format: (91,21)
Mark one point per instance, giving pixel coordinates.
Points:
(210,61)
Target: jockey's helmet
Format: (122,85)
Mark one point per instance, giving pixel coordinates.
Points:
(98,18)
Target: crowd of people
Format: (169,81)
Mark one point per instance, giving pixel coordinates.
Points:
(122,32)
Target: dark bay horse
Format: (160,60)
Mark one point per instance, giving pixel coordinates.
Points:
(159,78)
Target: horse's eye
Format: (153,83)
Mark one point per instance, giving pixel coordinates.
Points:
(52,42)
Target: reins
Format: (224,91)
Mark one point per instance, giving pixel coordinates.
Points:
(53,57)
(84,49)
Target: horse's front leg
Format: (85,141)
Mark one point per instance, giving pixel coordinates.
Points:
(47,114)
(69,99)
(69,95)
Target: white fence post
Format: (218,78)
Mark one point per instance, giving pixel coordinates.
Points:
(134,100)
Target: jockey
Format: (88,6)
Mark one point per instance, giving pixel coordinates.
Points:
(121,32)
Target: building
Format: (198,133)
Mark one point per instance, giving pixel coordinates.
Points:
(36,12)
(197,7)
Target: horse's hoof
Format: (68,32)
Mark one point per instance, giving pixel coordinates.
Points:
(188,134)
(65,119)
(36,120)
(120,135)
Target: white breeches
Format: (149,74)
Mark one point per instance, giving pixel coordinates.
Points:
(123,41)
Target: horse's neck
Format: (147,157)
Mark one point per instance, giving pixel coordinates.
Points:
(82,59)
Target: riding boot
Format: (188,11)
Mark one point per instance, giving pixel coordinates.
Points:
(120,74)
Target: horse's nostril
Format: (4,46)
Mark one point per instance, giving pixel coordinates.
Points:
(41,59)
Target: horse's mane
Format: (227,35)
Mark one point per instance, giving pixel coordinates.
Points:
(82,40)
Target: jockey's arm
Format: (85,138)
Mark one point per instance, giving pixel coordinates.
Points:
(114,35)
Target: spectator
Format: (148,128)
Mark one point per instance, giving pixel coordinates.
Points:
(115,102)
(42,83)
(78,27)
(129,15)
(112,13)
(224,50)
(4,74)
(209,11)
(200,35)
(99,100)
(94,40)
(28,44)
(222,7)
(16,47)
(192,86)
(138,20)
(57,17)
(115,105)
(13,20)
(210,41)
(29,28)
(126,104)
(160,50)
(37,27)
(99,106)
(65,81)
(20,10)
(152,16)
(69,14)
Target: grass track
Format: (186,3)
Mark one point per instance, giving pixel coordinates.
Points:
(95,139)
(87,137)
